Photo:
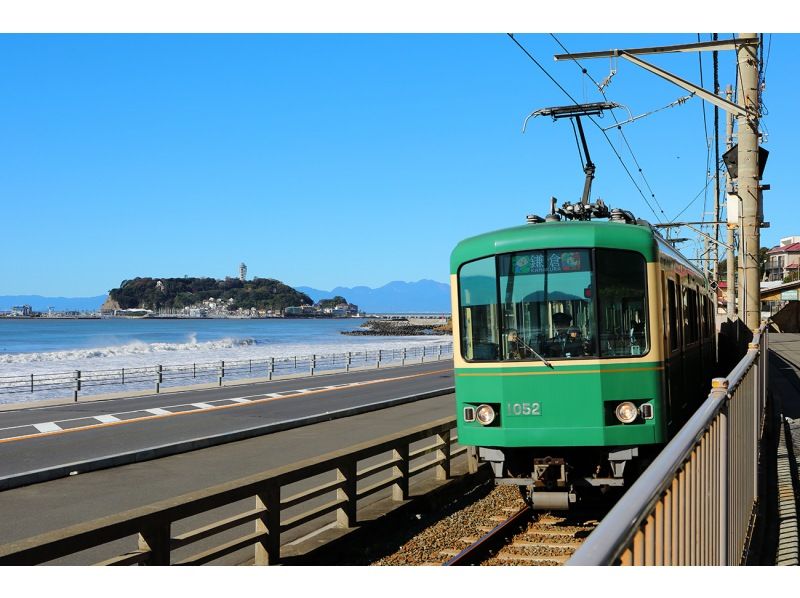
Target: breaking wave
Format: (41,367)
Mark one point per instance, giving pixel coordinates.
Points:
(135,348)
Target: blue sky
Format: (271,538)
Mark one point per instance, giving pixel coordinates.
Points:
(328,159)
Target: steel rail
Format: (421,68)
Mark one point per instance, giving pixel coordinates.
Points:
(493,540)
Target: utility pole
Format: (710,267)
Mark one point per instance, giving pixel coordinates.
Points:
(750,233)
(730,266)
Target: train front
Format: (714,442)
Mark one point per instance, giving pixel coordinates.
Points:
(558,372)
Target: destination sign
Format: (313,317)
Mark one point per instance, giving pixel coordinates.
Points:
(552,262)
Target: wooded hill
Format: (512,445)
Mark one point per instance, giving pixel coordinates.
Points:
(177,293)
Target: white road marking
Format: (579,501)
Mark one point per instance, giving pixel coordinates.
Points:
(158,411)
(240,400)
(47,427)
(202,405)
(106,419)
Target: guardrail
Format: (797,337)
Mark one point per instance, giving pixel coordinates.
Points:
(695,504)
(158,376)
(273,511)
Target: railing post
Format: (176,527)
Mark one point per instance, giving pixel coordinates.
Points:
(194,370)
(349,359)
(400,487)
(719,390)
(472,459)
(31,382)
(346,514)
(221,371)
(378,364)
(271,369)
(313,363)
(443,469)
(423,355)
(403,362)
(268,550)
(159,378)
(77,385)
(439,356)
(123,376)
(156,539)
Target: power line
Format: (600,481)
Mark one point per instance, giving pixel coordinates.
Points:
(621,132)
(536,62)
(705,129)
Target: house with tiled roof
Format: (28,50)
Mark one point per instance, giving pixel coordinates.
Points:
(784,259)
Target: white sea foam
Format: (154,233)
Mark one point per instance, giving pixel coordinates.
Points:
(134,348)
(138,354)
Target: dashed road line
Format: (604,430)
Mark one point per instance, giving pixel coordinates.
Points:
(159,411)
(47,428)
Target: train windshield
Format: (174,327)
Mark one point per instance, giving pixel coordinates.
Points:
(554,303)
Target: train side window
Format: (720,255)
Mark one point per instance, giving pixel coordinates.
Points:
(478,310)
(690,316)
(703,313)
(673,316)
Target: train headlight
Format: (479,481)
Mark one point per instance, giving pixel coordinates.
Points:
(626,412)
(484,414)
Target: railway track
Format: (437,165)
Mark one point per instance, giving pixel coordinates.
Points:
(527,538)
(498,529)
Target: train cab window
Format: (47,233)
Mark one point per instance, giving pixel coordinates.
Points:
(478,296)
(546,304)
(622,303)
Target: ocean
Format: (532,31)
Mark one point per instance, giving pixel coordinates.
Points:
(41,346)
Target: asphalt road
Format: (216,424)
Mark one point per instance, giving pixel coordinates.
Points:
(38,508)
(47,437)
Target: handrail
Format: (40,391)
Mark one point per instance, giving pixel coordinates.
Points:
(79,382)
(153,522)
(657,500)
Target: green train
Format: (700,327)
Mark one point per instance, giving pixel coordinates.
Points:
(581,345)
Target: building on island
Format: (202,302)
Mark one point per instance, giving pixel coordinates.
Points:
(242,272)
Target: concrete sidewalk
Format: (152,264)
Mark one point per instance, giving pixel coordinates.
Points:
(784,385)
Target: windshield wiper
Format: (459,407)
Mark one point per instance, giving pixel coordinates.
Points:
(529,348)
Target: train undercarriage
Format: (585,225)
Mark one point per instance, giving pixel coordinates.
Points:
(558,478)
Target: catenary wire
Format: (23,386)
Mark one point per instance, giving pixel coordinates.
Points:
(621,132)
(549,76)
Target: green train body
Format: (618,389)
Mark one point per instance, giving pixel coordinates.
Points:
(556,325)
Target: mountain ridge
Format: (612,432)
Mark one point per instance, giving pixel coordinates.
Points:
(422,296)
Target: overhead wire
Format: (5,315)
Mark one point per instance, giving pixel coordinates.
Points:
(705,129)
(624,166)
(600,88)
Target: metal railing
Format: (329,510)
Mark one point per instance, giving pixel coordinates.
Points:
(695,504)
(159,376)
(275,507)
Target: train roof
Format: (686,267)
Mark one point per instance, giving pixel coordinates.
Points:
(640,237)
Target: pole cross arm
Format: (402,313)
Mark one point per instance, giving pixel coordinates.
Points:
(714,99)
(729,44)
(630,55)
(709,237)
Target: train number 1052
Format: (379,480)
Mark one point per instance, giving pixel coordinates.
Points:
(524,408)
